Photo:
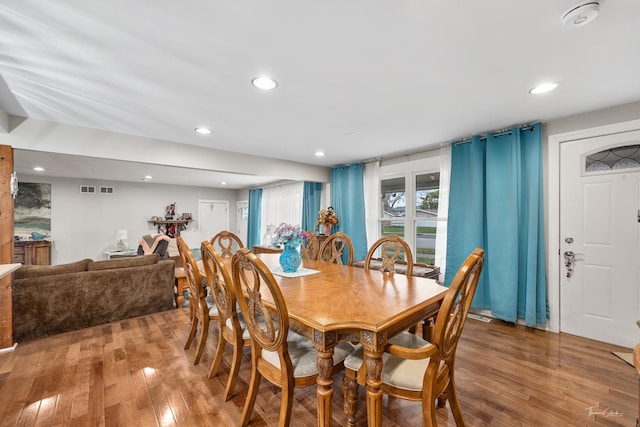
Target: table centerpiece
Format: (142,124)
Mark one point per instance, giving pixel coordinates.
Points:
(291,237)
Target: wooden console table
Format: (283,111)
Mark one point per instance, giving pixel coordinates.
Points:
(32,252)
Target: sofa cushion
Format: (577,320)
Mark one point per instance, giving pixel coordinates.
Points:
(123,262)
(27,271)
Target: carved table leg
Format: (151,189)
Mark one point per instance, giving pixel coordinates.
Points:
(324,390)
(350,396)
(181,286)
(374,388)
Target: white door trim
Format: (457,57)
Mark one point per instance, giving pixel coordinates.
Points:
(553,219)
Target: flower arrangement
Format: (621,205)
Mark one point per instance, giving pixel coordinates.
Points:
(290,235)
(327,217)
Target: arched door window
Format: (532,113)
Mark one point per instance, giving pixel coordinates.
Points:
(627,157)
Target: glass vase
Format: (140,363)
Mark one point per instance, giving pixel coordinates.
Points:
(290,259)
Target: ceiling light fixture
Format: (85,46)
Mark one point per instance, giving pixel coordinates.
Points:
(580,14)
(264,83)
(147,178)
(203,131)
(223,182)
(39,169)
(320,153)
(543,88)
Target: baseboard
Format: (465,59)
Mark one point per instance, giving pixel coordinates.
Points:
(486,316)
(8,349)
(479,317)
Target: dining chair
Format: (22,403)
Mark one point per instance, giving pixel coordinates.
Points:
(391,249)
(231,326)
(226,243)
(202,309)
(285,359)
(333,247)
(419,370)
(309,247)
(393,252)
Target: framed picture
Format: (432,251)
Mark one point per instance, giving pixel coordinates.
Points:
(32,210)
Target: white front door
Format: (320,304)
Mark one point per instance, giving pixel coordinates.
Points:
(600,226)
(242,220)
(213,216)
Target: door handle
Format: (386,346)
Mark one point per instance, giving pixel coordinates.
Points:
(569,261)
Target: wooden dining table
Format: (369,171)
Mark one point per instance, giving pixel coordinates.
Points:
(343,303)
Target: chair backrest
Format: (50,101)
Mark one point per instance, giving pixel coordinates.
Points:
(191,271)
(268,324)
(226,243)
(455,307)
(220,284)
(309,247)
(393,249)
(333,247)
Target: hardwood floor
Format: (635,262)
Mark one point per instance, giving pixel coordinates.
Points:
(136,372)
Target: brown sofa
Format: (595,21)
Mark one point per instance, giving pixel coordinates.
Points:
(49,300)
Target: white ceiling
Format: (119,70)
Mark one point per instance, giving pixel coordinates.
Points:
(358,79)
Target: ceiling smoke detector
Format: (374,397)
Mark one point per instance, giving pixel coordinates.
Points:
(581,14)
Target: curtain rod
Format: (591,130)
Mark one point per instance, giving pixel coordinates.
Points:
(273,184)
(500,132)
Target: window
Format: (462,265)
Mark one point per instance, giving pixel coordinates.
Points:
(627,157)
(427,188)
(416,225)
(282,203)
(393,206)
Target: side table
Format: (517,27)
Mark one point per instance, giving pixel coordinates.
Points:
(120,254)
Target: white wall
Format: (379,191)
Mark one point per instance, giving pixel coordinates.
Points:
(82,225)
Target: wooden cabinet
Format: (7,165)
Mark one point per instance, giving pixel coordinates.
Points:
(32,252)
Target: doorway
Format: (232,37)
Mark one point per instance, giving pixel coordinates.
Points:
(242,220)
(594,236)
(213,216)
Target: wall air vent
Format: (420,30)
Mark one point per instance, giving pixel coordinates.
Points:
(106,190)
(87,189)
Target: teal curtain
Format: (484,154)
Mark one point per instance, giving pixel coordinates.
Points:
(255,214)
(347,199)
(496,203)
(311,194)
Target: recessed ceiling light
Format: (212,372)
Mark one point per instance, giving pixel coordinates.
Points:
(39,169)
(147,178)
(543,88)
(264,83)
(224,183)
(320,153)
(203,131)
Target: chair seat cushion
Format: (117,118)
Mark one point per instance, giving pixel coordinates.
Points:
(243,326)
(303,355)
(397,372)
(211,304)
